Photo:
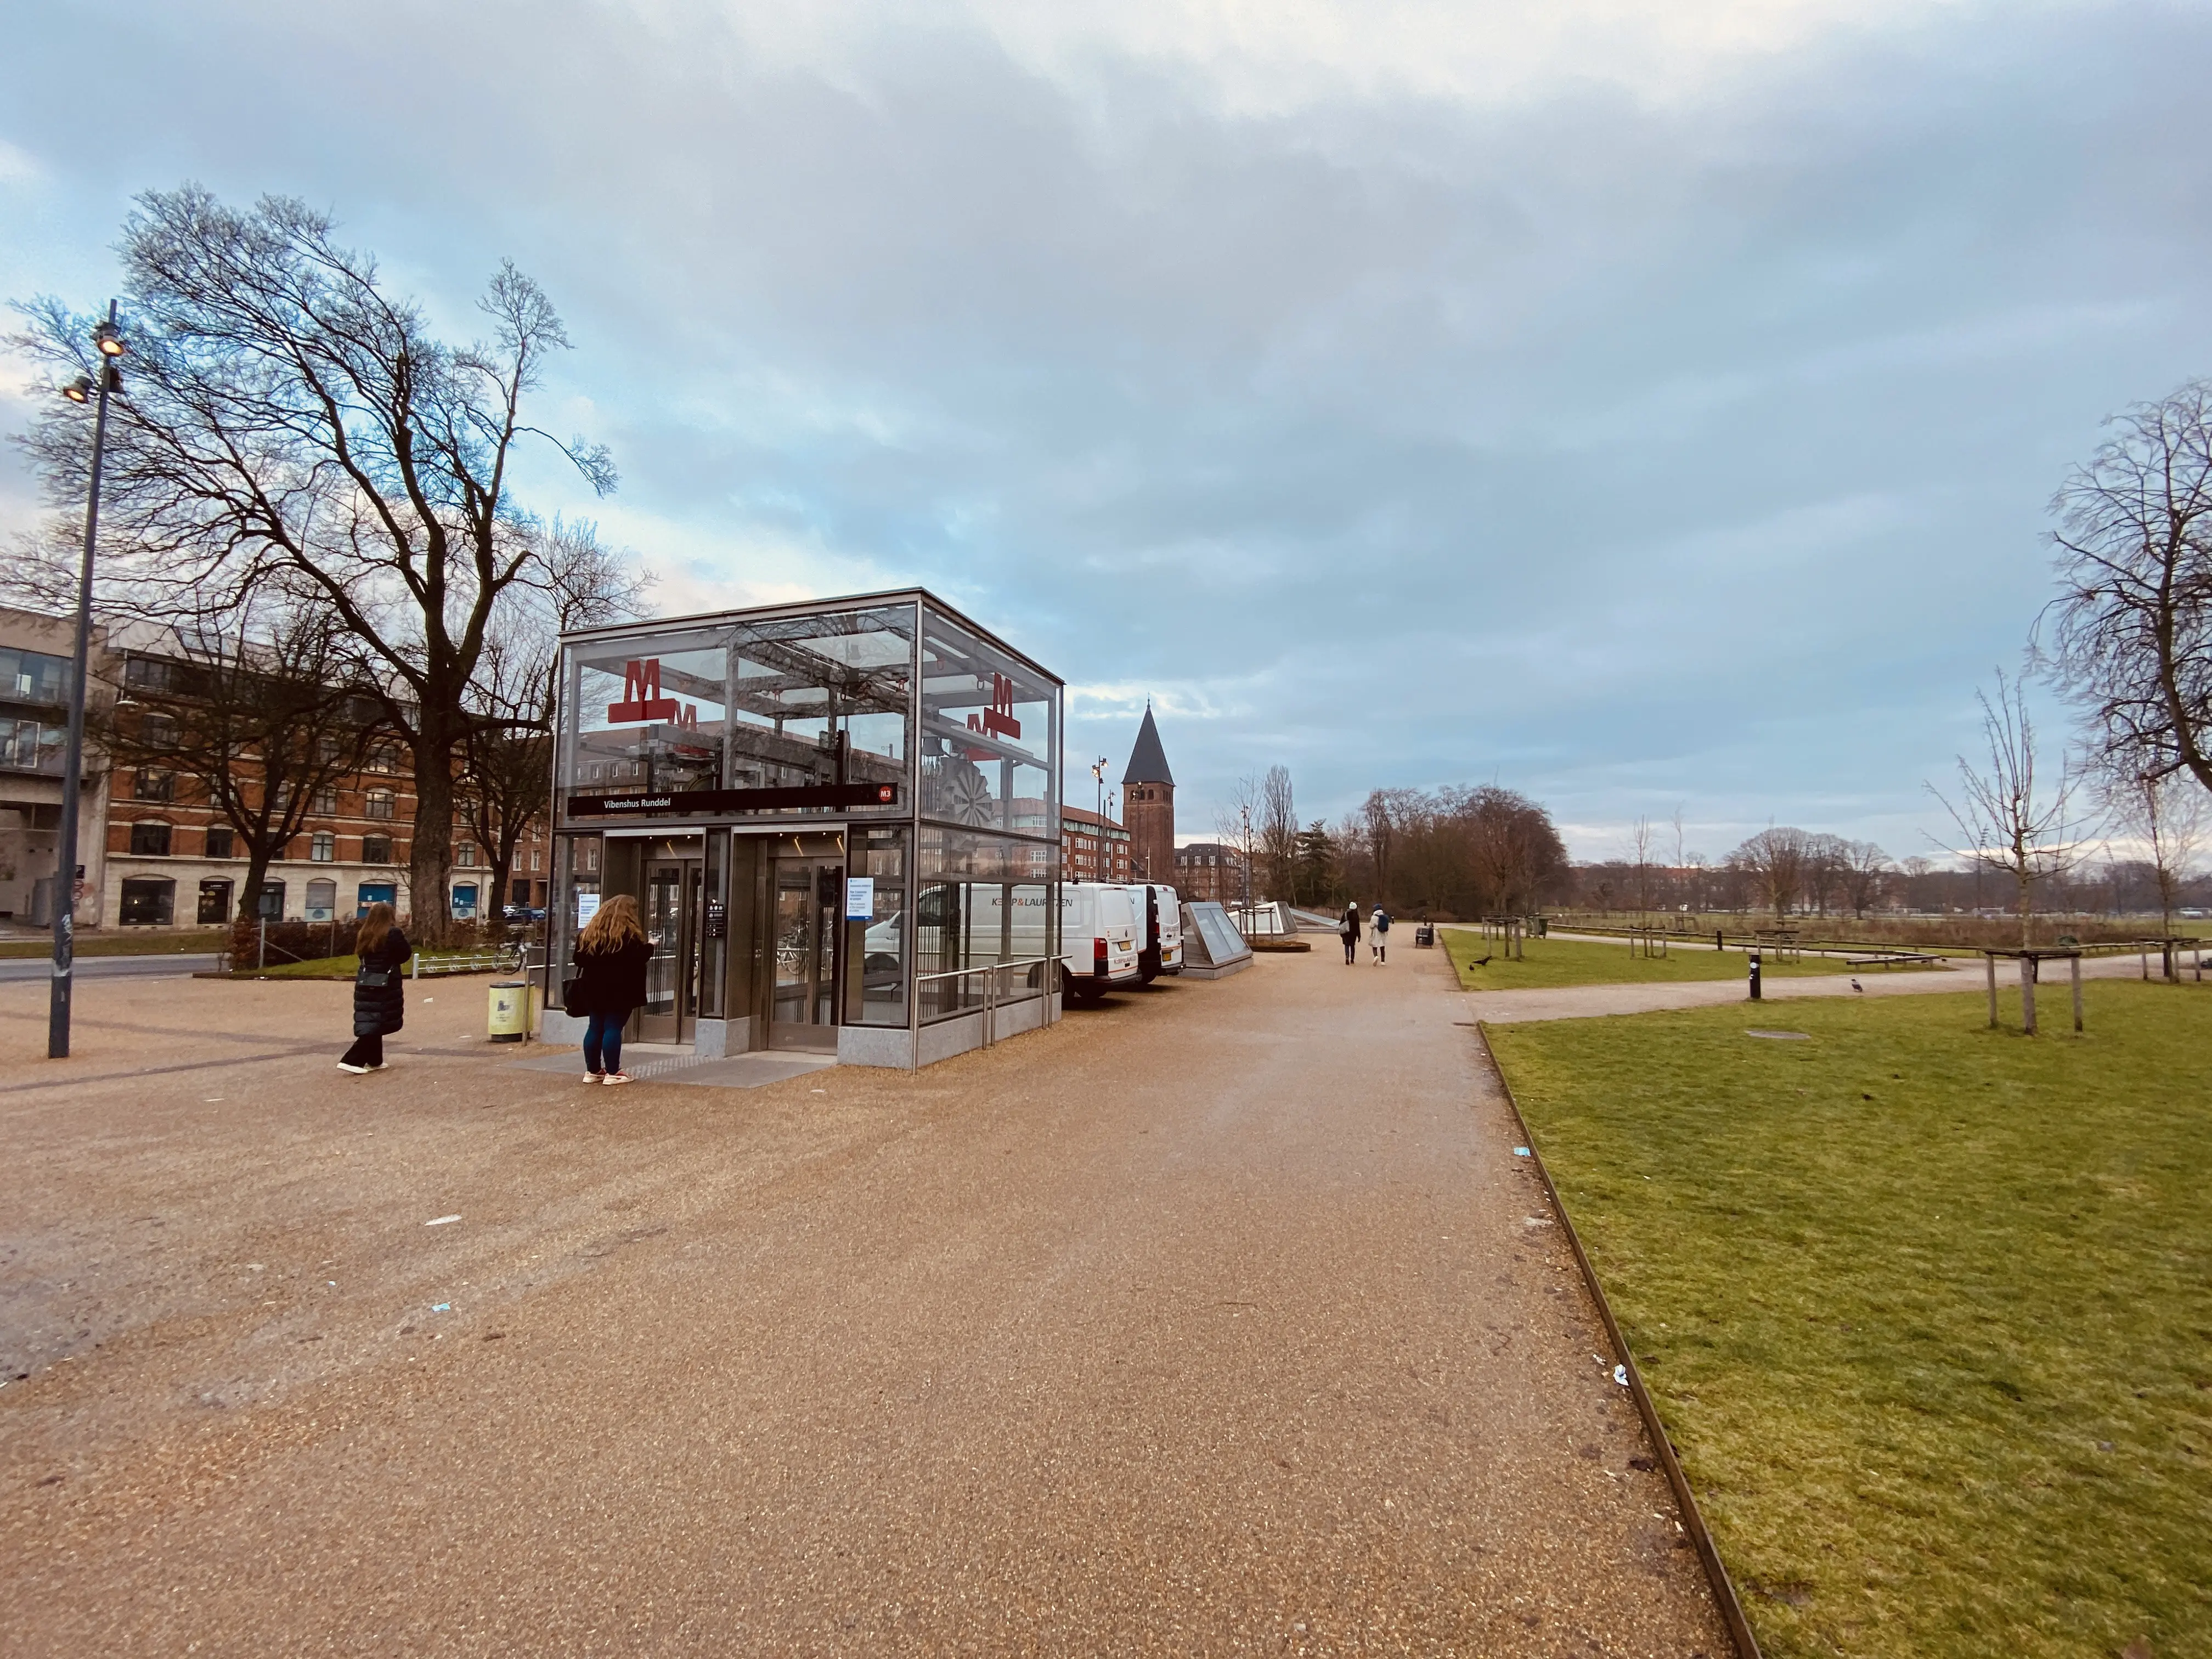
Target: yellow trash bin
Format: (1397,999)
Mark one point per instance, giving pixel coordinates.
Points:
(510,1010)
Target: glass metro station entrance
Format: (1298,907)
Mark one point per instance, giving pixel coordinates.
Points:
(840,822)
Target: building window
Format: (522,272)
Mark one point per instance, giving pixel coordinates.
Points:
(148,901)
(149,840)
(157,731)
(148,674)
(376,849)
(215,902)
(322,847)
(322,900)
(30,746)
(325,800)
(219,841)
(153,783)
(382,757)
(377,803)
(466,855)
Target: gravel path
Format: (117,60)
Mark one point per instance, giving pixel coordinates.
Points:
(1220,1320)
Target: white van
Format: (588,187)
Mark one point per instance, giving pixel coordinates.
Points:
(1159,917)
(1100,929)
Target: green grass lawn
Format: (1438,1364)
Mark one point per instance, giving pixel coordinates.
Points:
(1927,1308)
(318,967)
(1549,963)
(122,944)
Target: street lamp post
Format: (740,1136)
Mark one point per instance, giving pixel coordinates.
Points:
(110,343)
(1098,829)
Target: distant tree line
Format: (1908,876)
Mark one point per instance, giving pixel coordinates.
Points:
(1455,852)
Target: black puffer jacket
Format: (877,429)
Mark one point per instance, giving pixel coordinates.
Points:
(380,990)
(611,982)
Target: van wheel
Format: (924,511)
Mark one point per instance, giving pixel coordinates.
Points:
(1148,966)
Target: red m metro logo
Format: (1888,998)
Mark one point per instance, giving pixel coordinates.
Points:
(642,699)
(999,719)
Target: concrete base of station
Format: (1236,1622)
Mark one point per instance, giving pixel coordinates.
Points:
(857,1045)
(1193,970)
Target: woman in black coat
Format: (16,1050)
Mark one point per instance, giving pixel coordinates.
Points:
(380,991)
(610,956)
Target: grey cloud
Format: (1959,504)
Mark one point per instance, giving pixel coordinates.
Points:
(1632,453)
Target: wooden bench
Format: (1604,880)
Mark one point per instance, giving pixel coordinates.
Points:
(1891,959)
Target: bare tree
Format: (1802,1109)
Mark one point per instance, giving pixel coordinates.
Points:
(2012,821)
(1774,860)
(1639,845)
(287,415)
(1862,871)
(1279,831)
(1233,823)
(509,780)
(1386,811)
(2170,817)
(2134,633)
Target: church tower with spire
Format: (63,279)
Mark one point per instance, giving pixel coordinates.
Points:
(1148,806)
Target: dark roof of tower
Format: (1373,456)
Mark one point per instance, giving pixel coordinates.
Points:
(1148,762)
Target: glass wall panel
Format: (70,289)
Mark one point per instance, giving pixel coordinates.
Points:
(877,944)
(576,860)
(968,852)
(825,699)
(988,734)
(963,926)
(649,714)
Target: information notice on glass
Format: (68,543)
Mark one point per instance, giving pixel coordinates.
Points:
(859,898)
(587,906)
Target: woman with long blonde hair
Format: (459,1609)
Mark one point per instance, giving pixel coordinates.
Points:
(610,956)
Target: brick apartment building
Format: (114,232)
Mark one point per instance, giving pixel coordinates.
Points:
(156,853)
(1094,848)
(1210,870)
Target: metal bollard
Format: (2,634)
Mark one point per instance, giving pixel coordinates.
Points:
(1754,976)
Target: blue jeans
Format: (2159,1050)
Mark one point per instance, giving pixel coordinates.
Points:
(603,1042)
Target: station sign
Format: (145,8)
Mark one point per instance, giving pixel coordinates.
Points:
(712,803)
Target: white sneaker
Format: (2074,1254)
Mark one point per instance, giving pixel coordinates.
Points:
(615,1077)
(593,1077)
(358,1071)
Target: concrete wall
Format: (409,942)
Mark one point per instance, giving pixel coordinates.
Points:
(857,1045)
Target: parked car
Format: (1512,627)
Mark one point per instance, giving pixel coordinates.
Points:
(1100,939)
(524,913)
(1159,949)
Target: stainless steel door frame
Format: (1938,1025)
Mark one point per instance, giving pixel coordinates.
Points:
(672,889)
(806,949)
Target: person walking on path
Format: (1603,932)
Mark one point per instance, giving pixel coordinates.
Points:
(610,956)
(380,993)
(1378,934)
(1349,932)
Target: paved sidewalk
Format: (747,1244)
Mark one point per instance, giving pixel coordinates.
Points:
(1219,1320)
(1594,1002)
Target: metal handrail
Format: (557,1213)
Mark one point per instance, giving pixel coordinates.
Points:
(990,988)
(982,968)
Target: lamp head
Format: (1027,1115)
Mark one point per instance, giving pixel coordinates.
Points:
(109,341)
(79,391)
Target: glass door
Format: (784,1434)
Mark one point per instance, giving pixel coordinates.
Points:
(809,899)
(671,1013)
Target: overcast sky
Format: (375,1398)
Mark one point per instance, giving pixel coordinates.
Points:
(1642,405)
